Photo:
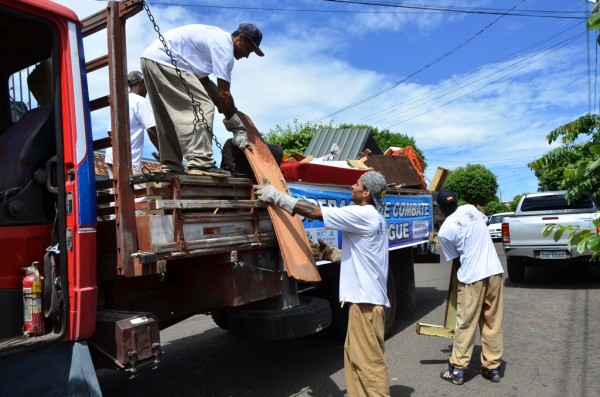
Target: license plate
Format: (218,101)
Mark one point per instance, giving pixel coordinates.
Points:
(553,255)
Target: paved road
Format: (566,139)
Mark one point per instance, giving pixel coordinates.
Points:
(552,348)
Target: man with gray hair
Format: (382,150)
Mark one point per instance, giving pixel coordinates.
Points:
(363,276)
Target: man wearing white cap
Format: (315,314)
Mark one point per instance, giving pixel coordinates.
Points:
(363,276)
(198,51)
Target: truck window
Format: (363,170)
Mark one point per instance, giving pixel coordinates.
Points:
(555,202)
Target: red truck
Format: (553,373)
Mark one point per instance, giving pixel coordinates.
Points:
(93,269)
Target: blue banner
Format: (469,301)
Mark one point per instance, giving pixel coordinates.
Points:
(409,217)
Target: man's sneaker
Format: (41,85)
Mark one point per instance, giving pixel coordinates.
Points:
(491,374)
(453,375)
(211,171)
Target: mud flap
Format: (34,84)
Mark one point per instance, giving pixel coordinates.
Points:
(65,369)
(291,236)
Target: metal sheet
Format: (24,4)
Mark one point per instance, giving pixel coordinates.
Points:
(291,236)
(396,169)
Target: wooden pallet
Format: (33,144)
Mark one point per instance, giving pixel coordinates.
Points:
(291,236)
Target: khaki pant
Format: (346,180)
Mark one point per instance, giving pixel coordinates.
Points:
(174,116)
(480,305)
(364,359)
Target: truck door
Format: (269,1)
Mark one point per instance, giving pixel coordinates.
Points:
(41,173)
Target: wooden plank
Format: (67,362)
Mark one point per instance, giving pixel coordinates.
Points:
(291,236)
(439,179)
(449,328)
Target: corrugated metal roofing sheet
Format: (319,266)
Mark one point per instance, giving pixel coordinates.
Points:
(351,141)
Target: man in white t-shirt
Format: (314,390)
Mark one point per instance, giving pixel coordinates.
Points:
(363,276)
(465,239)
(140,119)
(199,51)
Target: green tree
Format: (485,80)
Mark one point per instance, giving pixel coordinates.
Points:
(574,163)
(473,183)
(494,207)
(293,138)
(515,201)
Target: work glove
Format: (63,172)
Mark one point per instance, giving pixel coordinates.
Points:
(240,134)
(322,250)
(269,194)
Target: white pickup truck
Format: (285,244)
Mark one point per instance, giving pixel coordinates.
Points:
(522,237)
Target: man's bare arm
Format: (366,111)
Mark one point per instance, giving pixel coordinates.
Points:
(308,210)
(153,135)
(226,99)
(212,91)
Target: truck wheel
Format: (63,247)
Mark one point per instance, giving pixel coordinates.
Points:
(312,315)
(221,318)
(390,313)
(516,269)
(339,315)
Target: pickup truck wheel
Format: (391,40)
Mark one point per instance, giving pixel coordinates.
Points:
(516,269)
(312,315)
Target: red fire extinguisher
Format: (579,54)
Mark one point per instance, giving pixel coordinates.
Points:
(33,320)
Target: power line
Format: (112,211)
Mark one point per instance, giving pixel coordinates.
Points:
(539,56)
(445,55)
(420,9)
(462,82)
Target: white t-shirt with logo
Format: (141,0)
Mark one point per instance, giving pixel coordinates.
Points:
(464,235)
(364,267)
(199,49)
(140,119)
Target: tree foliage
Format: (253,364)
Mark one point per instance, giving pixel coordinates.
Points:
(494,207)
(573,165)
(473,183)
(293,138)
(515,201)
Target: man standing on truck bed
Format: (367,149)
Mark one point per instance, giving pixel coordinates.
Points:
(363,276)
(199,51)
(140,119)
(465,240)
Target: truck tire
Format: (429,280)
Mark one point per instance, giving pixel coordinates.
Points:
(392,294)
(516,269)
(312,315)
(402,263)
(221,318)
(339,315)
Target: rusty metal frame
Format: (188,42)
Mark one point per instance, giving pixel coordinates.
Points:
(113,19)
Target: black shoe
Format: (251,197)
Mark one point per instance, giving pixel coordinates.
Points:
(491,374)
(454,375)
(211,171)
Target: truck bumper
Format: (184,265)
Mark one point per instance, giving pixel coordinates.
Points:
(544,253)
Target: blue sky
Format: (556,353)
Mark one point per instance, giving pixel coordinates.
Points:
(467,82)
